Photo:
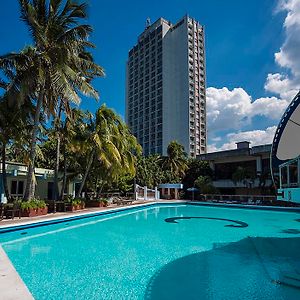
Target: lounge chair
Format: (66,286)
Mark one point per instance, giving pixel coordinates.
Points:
(120,201)
(12,210)
(1,211)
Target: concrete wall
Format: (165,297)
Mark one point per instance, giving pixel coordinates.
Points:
(176,87)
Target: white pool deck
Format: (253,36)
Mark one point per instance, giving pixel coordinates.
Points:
(11,285)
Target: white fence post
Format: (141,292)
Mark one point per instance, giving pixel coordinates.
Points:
(145,193)
(135,192)
(156,193)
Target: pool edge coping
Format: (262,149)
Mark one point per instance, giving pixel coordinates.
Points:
(11,284)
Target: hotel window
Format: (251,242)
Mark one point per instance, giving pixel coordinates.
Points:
(284,178)
(293,172)
(17,188)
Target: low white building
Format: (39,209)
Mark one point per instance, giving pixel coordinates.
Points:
(17,177)
(256,159)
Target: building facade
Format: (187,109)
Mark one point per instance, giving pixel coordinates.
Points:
(17,178)
(165,87)
(256,160)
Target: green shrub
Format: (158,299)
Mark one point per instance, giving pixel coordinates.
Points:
(32,204)
(76,202)
(104,201)
(69,198)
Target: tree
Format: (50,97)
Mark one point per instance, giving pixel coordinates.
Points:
(56,68)
(107,139)
(149,171)
(176,159)
(204,184)
(12,130)
(195,169)
(243,175)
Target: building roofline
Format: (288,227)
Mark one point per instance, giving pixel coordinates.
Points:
(253,151)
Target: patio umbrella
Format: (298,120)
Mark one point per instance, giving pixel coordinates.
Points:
(193,190)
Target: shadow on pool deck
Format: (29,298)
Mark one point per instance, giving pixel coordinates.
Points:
(248,269)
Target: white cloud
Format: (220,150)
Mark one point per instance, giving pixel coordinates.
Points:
(234,109)
(288,56)
(281,85)
(227,108)
(270,107)
(256,137)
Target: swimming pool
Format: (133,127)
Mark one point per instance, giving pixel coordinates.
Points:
(162,252)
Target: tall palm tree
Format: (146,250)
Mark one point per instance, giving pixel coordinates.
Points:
(108,139)
(13,126)
(70,126)
(56,68)
(176,159)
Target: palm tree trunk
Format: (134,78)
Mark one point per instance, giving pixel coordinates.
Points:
(56,170)
(4,175)
(86,174)
(30,184)
(65,173)
(57,160)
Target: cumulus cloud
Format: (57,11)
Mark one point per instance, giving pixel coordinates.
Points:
(235,109)
(227,108)
(281,85)
(288,56)
(255,137)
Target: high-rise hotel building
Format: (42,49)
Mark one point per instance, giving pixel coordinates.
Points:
(165,87)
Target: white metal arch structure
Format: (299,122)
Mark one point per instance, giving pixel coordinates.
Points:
(285,154)
(286,142)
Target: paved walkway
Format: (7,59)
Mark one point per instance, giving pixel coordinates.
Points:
(12,286)
(59,215)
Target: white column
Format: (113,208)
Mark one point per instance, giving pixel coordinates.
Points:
(73,192)
(258,165)
(145,193)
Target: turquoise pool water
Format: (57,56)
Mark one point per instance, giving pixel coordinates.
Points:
(162,252)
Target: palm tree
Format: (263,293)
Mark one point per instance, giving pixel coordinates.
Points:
(243,175)
(56,68)
(70,126)
(107,139)
(176,160)
(12,124)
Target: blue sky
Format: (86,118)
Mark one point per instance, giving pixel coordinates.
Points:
(241,40)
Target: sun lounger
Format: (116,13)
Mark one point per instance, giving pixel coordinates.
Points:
(120,201)
(1,211)
(12,211)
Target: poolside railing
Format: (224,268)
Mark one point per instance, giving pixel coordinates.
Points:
(246,199)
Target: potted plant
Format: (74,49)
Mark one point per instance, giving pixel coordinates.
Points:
(104,202)
(28,208)
(42,208)
(75,204)
(100,202)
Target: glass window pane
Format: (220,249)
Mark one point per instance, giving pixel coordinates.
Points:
(13,189)
(293,169)
(20,187)
(284,175)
